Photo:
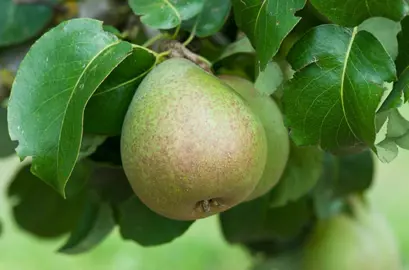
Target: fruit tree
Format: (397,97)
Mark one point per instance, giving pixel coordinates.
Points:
(149,115)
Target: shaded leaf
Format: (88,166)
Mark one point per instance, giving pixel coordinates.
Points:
(50,92)
(337,87)
(303,170)
(109,153)
(385,30)
(269,79)
(255,221)
(95,224)
(291,259)
(266,23)
(111,184)
(165,14)
(352,13)
(138,223)
(242,45)
(107,107)
(20,22)
(39,209)
(7,146)
(402,62)
(342,176)
(89,144)
(210,19)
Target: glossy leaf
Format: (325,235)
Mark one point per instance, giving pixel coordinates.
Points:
(20,22)
(106,109)
(266,23)
(352,13)
(210,19)
(255,221)
(138,223)
(302,172)
(54,83)
(165,14)
(95,224)
(40,210)
(6,145)
(337,87)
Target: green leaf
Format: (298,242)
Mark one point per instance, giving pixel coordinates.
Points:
(211,18)
(337,87)
(385,30)
(95,224)
(89,144)
(269,79)
(165,14)
(256,221)
(402,62)
(7,146)
(397,134)
(109,152)
(303,170)
(266,23)
(138,223)
(20,22)
(54,83)
(341,177)
(111,184)
(238,58)
(291,259)
(106,109)
(352,13)
(39,209)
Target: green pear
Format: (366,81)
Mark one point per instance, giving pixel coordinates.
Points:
(362,240)
(190,146)
(340,243)
(278,144)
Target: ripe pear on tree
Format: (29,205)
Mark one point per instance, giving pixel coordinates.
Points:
(361,240)
(278,144)
(190,146)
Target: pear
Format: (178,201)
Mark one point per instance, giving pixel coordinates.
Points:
(351,242)
(190,146)
(278,144)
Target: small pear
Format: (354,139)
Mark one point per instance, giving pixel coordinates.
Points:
(278,144)
(190,146)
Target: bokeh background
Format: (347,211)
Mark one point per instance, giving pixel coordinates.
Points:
(201,248)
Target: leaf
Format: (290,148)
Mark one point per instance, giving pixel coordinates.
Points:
(337,87)
(6,145)
(111,184)
(397,134)
(342,176)
(106,109)
(242,45)
(302,172)
(286,261)
(210,19)
(352,13)
(89,144)
(95,224)
(385,30)
(266,23)
(20,22)
(402,62)
(54,83)
(269,79)
(109,152)
(39,209)
(165,14)
(138,223)
(256,220)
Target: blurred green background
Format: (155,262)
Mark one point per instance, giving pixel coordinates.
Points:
(201,248)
